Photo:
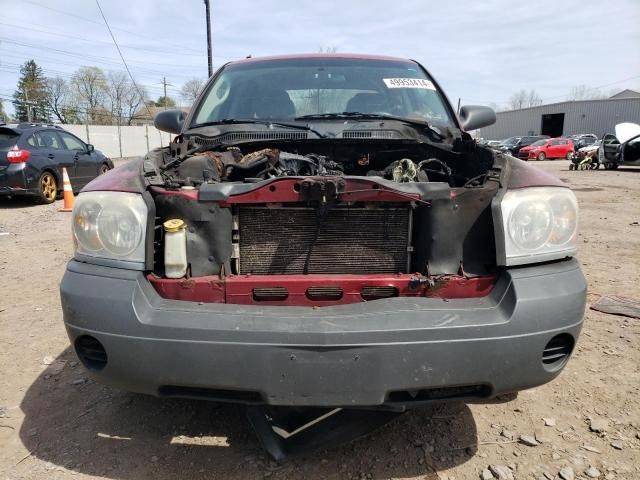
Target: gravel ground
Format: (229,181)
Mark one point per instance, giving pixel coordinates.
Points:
(57,424)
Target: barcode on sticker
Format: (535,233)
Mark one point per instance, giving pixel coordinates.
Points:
(409,83)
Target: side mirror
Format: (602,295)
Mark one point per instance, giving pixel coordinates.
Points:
(476,116)
(90,148)
(170,121)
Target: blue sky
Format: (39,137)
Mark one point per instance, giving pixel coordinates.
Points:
(481,51)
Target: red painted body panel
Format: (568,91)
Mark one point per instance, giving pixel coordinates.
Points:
(238,290)
(285,190)
(320,55)
(523,175)
(124,178)
(188,194)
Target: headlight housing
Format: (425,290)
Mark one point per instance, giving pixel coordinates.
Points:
(538,224)
(111,226)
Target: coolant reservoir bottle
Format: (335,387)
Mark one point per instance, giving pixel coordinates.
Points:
(175,248)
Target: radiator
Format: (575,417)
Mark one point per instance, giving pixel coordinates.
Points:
(344,240)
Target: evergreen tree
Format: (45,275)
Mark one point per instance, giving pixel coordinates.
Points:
(165,102)
(29,99)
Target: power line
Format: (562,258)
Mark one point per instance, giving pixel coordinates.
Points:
(95,58)
(69,76)
(122,57)
(85,39)
(98,23)
(7,67)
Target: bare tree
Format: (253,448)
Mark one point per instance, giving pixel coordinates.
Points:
(124,98)
(89,84)
(583,92)
(518,100)
(524,99)
(60,101)
(191,89)
(3,115)
(533,99)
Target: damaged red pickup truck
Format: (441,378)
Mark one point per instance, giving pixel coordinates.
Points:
(323,232)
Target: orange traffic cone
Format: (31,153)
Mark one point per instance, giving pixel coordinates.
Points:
(67,193)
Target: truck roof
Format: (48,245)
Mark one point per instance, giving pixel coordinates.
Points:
(359,56)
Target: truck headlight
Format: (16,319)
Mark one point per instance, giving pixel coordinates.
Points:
(111,226)
(538,224)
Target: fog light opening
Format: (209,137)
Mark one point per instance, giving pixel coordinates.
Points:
(557,352)
(91,353)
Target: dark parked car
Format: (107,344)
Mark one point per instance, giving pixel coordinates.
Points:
(583,140)
(324,233)
(514,144)
(32,157)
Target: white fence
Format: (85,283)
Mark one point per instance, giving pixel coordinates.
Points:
(125,141)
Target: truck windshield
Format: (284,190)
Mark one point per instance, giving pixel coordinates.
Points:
(289,88)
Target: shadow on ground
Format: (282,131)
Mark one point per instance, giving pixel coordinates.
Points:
(18,202)
(95,430)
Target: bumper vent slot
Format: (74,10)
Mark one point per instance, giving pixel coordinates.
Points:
(447,393)
(376,293)
(270,294)
(218,395)
(557,351)
(297,241)
(91,352)
(324,293)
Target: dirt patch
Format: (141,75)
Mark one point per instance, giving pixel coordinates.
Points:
(55,423)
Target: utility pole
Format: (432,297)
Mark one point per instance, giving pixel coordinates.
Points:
(164,84)
(209,50)
(28,104)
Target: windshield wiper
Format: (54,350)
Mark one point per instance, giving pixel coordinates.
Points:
(374,116)
(234,121)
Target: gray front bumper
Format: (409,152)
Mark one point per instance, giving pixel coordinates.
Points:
(348,355)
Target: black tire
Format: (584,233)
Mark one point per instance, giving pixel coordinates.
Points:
(541,156)
(610,166)
(47,188)
(104,168)
(571,166)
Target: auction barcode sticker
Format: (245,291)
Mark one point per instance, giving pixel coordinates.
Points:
(408,83)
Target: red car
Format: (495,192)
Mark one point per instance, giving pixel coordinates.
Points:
(549,148)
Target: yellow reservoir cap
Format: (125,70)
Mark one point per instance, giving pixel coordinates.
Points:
(174,225)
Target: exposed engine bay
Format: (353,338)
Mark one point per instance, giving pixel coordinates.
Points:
(400,162)
(328,208)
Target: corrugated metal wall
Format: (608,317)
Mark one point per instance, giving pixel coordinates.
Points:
(589,116)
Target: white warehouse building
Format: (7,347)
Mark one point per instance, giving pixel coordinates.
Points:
(567,118)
